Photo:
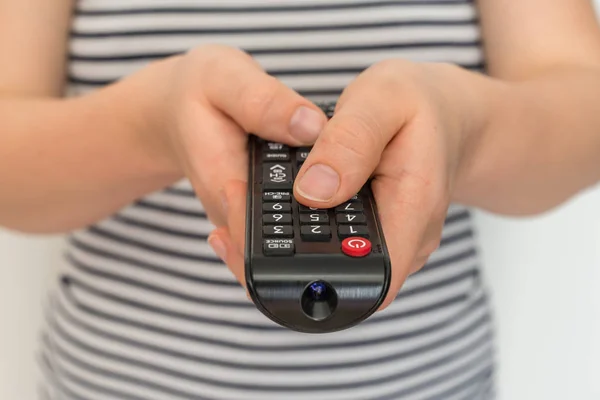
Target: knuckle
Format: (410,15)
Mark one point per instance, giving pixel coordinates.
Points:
(257,100)
(215,58)
(350,140)
(440,211)
(395,76)
(429,247)
(394,68)
(360,135)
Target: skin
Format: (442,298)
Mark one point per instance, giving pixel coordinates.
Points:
(520,141)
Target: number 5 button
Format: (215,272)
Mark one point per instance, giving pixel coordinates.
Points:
(314,218)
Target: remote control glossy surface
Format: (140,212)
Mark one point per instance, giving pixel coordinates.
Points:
(310,270)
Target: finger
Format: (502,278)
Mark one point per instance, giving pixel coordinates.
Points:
(235,197)
(411,202)
(404,221)
(350,146)
(222,245)
(236,85)
(239,97)
(214,151)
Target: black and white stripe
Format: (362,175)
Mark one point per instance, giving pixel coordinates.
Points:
(145,310)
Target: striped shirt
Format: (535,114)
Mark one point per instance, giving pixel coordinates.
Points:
(143,309)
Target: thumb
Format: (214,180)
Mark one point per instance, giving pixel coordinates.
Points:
(346,153)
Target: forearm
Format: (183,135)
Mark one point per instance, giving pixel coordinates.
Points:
(537,142)
(66,163)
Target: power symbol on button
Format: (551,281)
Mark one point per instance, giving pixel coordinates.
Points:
(356,246)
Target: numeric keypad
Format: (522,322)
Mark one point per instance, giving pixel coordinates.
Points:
(286,223)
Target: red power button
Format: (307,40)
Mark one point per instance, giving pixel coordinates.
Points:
(356,246)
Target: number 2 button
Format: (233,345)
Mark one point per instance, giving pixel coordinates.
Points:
(315,233)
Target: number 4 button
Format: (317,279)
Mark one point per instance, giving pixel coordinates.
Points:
(351,219)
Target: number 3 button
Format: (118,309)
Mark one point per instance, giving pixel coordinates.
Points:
(283,231)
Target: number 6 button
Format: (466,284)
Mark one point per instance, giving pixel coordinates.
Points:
(277,207)
(277,219)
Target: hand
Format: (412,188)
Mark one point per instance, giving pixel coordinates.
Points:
(406,125)
(214,96)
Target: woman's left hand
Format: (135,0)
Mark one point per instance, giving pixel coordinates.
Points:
(408,126)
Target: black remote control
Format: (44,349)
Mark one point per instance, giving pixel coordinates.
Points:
(310,270)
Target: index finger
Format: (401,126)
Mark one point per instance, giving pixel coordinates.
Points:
(236,85)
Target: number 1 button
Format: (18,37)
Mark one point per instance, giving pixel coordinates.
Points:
(345,231)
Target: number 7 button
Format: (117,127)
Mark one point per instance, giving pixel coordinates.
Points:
(350,207)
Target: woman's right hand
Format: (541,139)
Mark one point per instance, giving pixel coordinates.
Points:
(200,115)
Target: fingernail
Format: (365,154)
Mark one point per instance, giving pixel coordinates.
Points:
(218,246)
(319,183)
(306,125)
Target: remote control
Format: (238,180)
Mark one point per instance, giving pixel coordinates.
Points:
(310,270)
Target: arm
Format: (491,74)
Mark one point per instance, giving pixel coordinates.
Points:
(65,163)
(540,141)
(519,141)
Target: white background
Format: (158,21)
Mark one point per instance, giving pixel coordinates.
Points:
(544,275)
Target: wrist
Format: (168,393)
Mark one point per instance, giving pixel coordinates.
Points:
(141,104)
(475,98)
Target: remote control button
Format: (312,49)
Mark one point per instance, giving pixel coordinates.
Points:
(353,199)
(275,147)
(278,207)
(274,157)
(315,233)
(278,247)
(316,218)
(277,219)
(302,154)
(356,246)
(345,231)
(351,219)
(350,207)
(277,196)
(284,231)
(277,176)
(304,209)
